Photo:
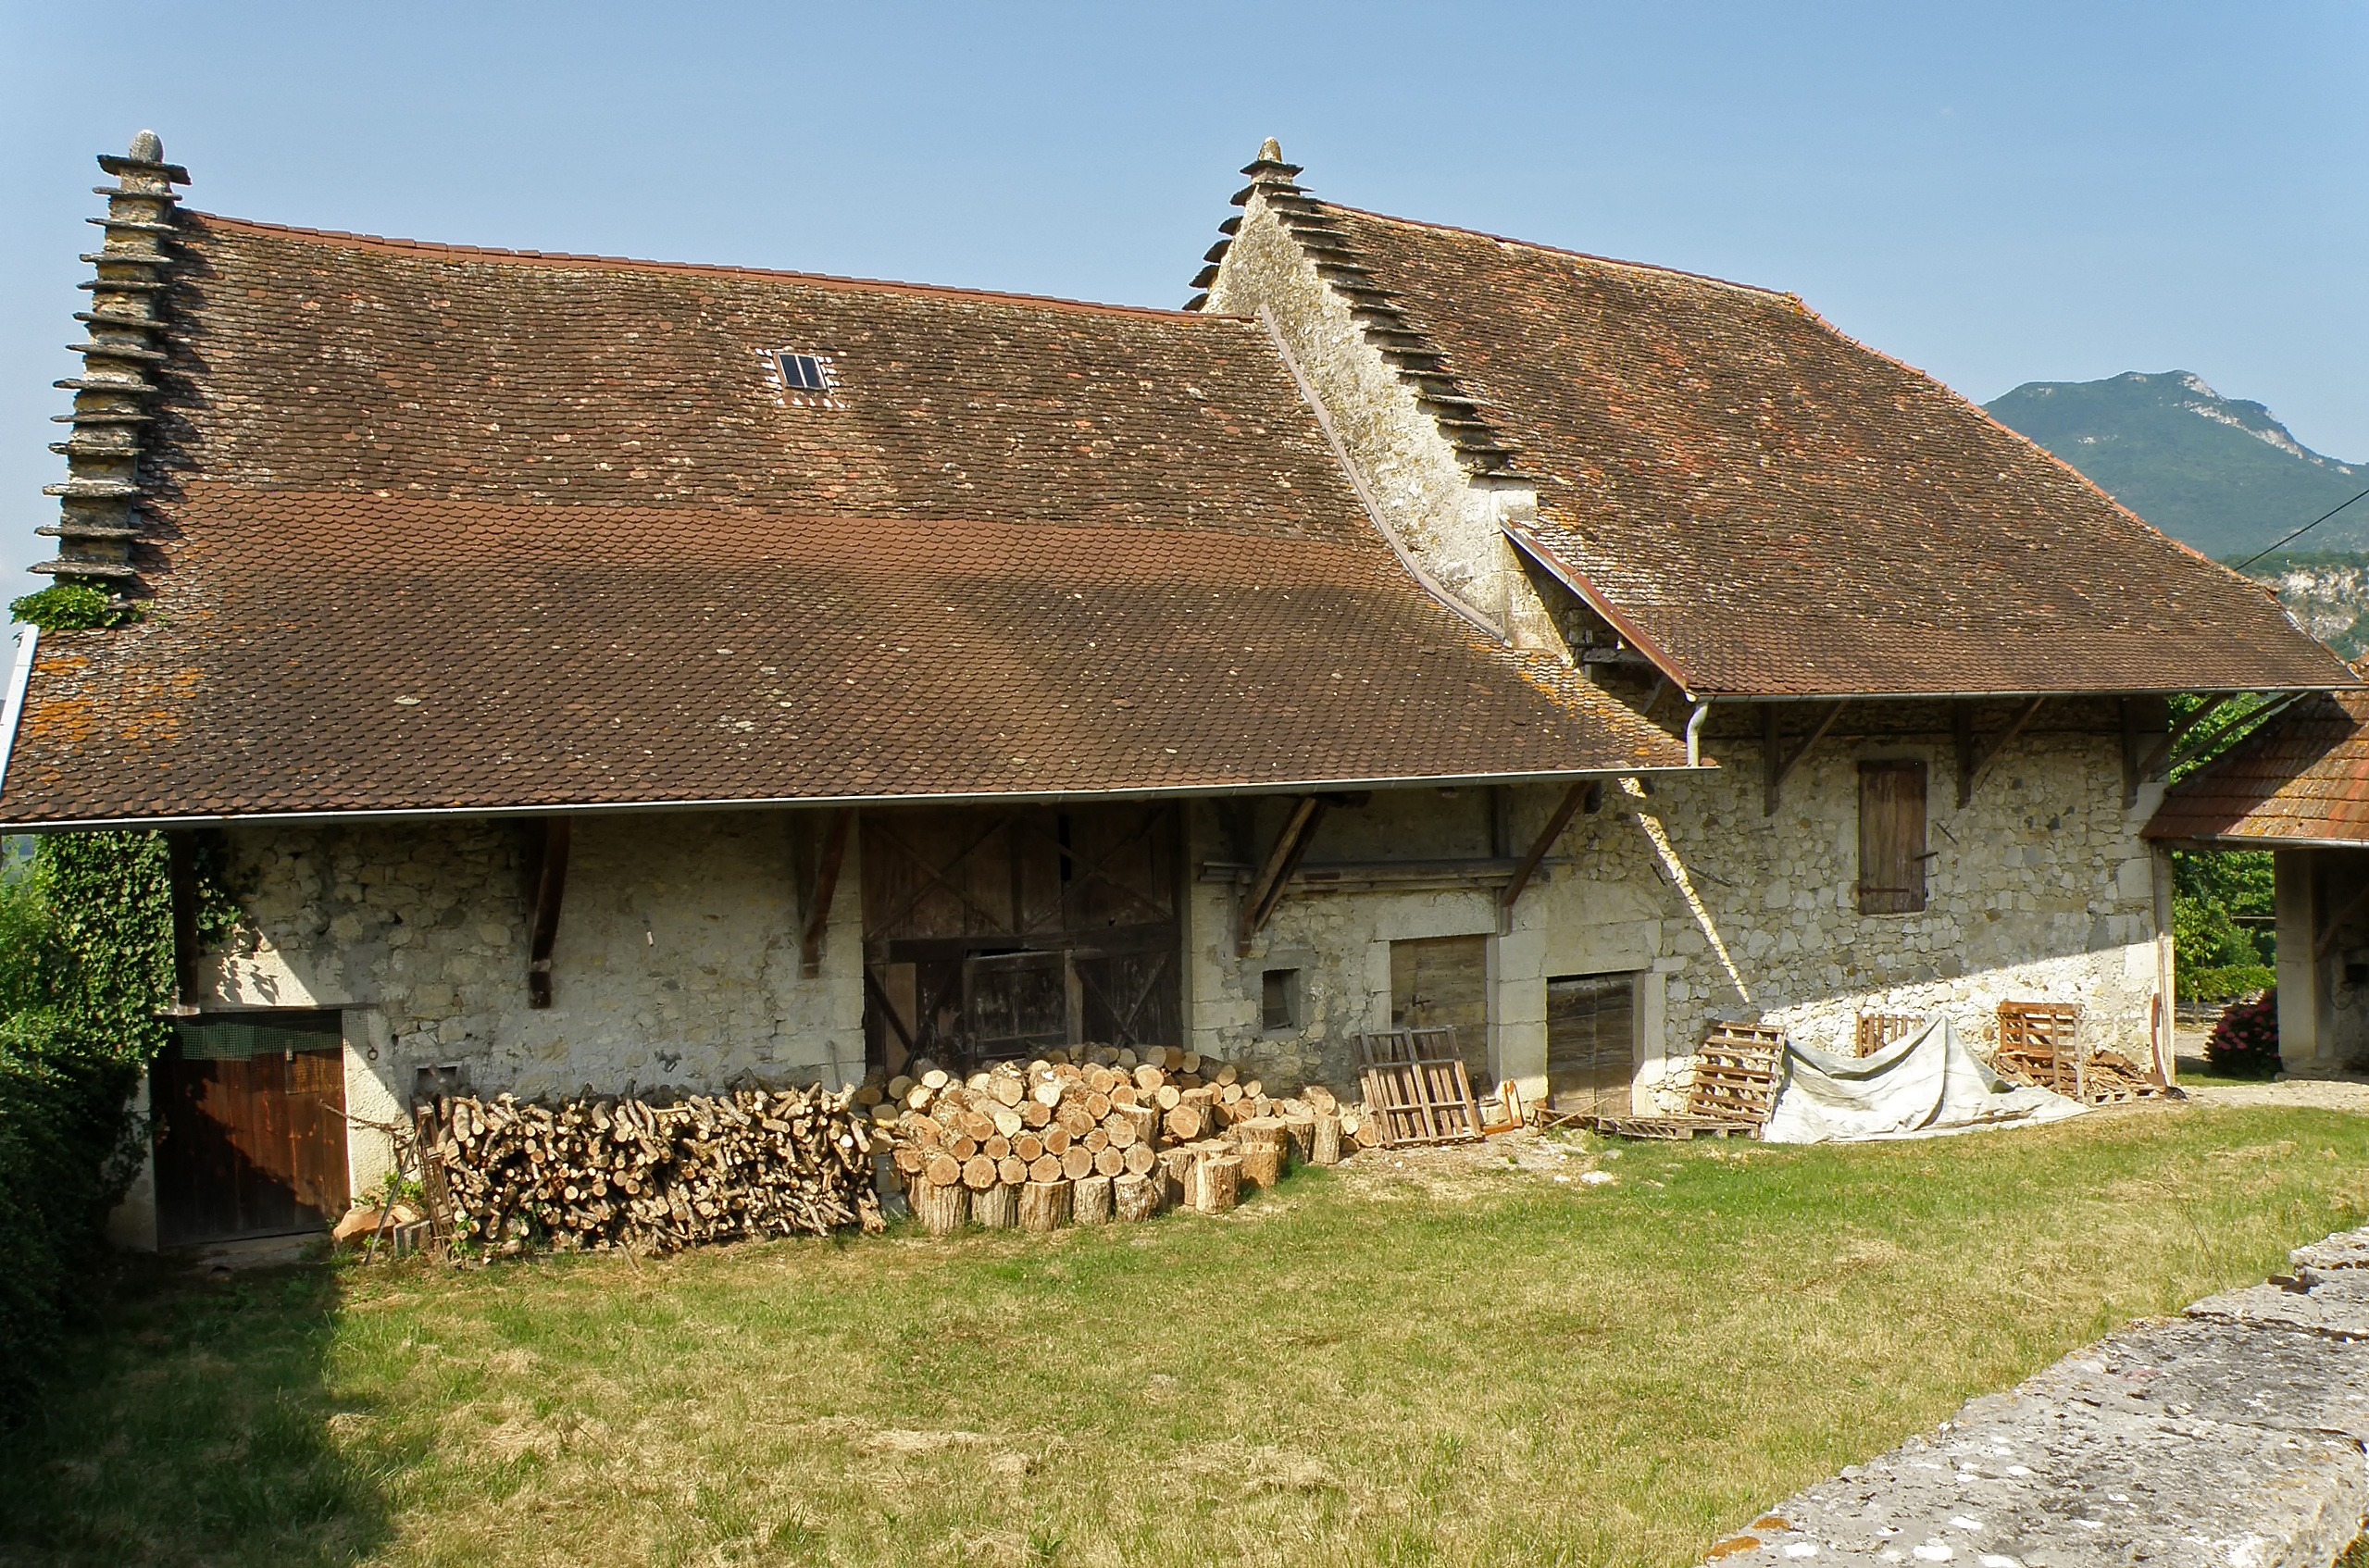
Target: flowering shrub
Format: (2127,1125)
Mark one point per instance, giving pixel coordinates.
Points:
(2245,1044)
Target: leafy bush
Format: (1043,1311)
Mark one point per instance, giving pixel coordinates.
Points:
(73,607)
(2224,982)
(2245,1044)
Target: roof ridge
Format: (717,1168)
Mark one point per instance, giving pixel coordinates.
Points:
(1759,289)
(349,240)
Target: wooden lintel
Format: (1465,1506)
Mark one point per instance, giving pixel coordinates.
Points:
(1970,779)
(182,862)
(550,882)
(822,890)
(1778,762)
(1267,888)
(1581,793)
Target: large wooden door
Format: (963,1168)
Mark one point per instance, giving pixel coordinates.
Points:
(249,1117)
(996,933)
(1437,982)
(1591,1043)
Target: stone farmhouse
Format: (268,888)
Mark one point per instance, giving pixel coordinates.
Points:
(606,672)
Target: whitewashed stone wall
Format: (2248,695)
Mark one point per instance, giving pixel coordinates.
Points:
(2041,890)
(676,961)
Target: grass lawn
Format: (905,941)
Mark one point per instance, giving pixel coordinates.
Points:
(1393,1366)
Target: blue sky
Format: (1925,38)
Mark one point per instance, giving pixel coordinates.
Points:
(1994,192)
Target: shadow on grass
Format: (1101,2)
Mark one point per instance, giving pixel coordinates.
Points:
(189,1419)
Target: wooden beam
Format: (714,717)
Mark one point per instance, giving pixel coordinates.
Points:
(2327,939)
(2130,774)
(182,861)
(880,996)
(1968,782)
(2155,762)
(1778,764)
(1267,888)
(1580,793)
(549,881)
(822,890)
(1962,717)
(2239,732)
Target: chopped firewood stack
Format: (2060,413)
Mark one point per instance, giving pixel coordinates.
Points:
(592,1174)
(1098,1135)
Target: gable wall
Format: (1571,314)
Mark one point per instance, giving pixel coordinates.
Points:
(1446,522)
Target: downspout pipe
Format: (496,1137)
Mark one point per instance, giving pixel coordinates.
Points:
(1694,731)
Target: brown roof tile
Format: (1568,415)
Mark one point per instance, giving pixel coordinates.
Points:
(454,529)
(2302,779)
(1779,510)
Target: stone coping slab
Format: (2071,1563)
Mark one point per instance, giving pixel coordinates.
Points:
(2232,1438)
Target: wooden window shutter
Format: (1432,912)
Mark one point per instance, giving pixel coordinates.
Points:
(1891,838)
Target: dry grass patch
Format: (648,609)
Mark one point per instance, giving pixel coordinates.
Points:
(1453,1362)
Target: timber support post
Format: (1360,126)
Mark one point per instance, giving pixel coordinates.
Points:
(548,878)
(822,890)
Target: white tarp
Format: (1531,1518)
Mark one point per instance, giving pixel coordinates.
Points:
(1925,1085)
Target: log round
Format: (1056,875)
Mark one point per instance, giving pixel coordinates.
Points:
(940,1210)
(1033,1114)
(1325,1147)
(1096,1140)
(1262,1166)
(1044,1205)
(1090,1201)
(1028,1148)
(1046,1169)
(1122,1133)
(1098,1105)
(1011,1170)
(1217,1182)
(1009,1090)
(1135,1196)
(1110,1162)
(1147,1076)
(1077,1162)
(1141,1159)
(1303,1129)
(1056,1140)
(1008,1121)
(997,1148)
(943,1170)
(1184,1122)
(997,1207)
(979,1172)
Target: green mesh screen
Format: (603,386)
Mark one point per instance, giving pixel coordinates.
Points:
(235,1040)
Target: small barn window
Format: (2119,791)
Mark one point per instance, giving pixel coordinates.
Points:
(1279,999)
(1891,838)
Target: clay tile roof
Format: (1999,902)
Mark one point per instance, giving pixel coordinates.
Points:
(2301,778)
(440,528)
(1775,509)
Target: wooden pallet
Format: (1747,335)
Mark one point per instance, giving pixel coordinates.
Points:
(1877,1030)
(1671,1127)
(1416,1089)
(1736,1073)
(2039,1044)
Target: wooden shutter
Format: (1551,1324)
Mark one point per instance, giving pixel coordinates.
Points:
(1891,838)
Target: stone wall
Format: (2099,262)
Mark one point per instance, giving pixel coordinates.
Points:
(676,961)
(2041,890)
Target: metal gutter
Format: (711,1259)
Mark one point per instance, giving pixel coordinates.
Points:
(758,802)
(1431,585)
(13,709)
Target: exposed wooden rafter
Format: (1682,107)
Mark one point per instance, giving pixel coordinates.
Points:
(1586,793)
(1275,873)
(1778,762)
(2154,763)
(182,868)
(1976,759)
(821,890)
(548,876)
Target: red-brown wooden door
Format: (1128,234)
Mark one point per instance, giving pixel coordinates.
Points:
(249,1119)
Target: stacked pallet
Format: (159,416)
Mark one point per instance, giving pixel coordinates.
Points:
(1098,1135)
(592,1174)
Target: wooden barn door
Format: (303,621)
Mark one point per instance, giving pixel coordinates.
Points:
(1444,980)
(991,933)
(1591,1044)
(249,1120)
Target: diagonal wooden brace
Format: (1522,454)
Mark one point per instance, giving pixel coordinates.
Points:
(1267,888)
(822,890)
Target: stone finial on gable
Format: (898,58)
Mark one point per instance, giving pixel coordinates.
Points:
(1267,172)
(98,520)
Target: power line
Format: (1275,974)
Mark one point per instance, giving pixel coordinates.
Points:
(2299,532)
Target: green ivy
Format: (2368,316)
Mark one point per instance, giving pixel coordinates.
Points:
(74,606)
(86,969)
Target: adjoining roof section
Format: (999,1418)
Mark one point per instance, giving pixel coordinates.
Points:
(2300,780)
(1772,509)
(436,530)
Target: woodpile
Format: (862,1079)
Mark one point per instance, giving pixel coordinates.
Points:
(596,1174)
(1096,1135)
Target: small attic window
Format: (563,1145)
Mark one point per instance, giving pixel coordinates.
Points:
(807,378)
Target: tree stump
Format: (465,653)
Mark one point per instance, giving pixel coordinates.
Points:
(1303,1129)
(1217,1182)
(1325,1147)
(1044,1205)
(1260,1141)
(943,1210)
(1090,1201)
(1135,1196)
(997,1207)
(1176,1176)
